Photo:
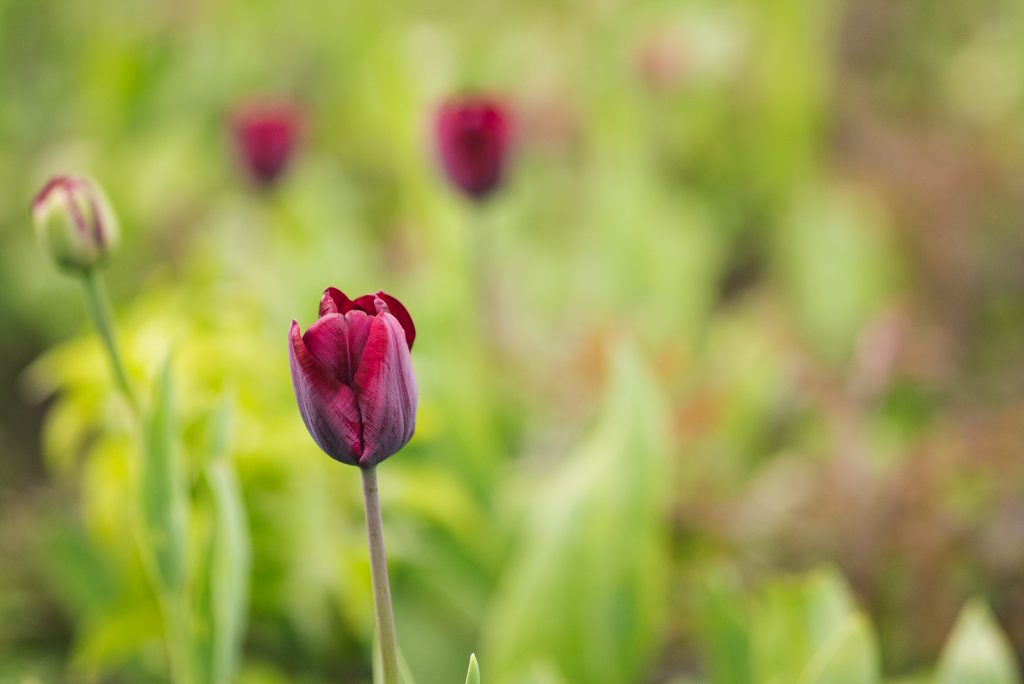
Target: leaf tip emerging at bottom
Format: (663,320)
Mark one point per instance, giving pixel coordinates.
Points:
(473,676)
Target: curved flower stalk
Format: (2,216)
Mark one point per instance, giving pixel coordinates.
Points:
(78,229)
(356,391)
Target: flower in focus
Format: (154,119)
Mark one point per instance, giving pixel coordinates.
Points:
(74,222)
(353,378)
(265,133)
(472,139)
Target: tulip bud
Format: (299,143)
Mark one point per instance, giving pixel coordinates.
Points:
(74,222)
(353,378)
(265,133)
(473,139)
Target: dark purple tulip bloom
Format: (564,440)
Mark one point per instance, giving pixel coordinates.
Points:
(265,133)
(353,378)
(473,138)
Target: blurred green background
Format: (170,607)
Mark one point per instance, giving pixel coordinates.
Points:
(731,367)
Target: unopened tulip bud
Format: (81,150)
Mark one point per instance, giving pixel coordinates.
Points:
(265,134)
(74,222)
(472,139)
(353,378)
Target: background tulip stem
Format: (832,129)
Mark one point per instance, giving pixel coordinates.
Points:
(379,573)
(482,270)
(98,306)
(177,640)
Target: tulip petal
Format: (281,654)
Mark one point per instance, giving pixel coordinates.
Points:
(337,342)
(386,391)
(335,301)
(399,311)
(328,407)
(368,303)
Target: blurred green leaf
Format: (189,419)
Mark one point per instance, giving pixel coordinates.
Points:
(724,623)
(977,652)
(807,629)
(849,657)
(114,637)
(585,588)
(227,578)
(162,488)
(836,264)
(165,519)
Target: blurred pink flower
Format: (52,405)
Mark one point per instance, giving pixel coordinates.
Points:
(473,135)
(353,378)
(266,133)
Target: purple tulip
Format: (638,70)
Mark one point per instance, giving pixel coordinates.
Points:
(265,133)
(353,378)
(473,138)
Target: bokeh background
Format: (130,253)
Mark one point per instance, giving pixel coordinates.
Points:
(742,328)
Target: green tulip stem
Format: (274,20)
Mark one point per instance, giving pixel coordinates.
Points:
(174,606)
(482,272)
(379,574)
(98,306)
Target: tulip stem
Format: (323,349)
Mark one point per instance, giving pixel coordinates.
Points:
(379,574)
(98,306)
(482,283)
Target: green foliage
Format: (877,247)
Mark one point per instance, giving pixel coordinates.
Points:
(583,589)
(977,651)
(803,217)
(808,630)
(226,573)
(804,630)
(473,675)
(162,490)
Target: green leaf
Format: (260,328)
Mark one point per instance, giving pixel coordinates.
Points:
(162,489)
(473,675)
(724,621)
(977,651)
(584,589)
(228,579)
(808,630)
(849,657)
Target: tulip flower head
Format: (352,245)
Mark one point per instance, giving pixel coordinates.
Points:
(353,378)
(74,222)
(472,136)
(266,134)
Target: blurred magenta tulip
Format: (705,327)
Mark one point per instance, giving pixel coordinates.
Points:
(266,134)
(473,138)
(353,378)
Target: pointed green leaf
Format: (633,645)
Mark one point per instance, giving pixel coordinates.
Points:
(725,636)
(977,651)
(796,619)
(585,587)
(404,670)
(473,676)
(850,656)
(229,555)
(162,489)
